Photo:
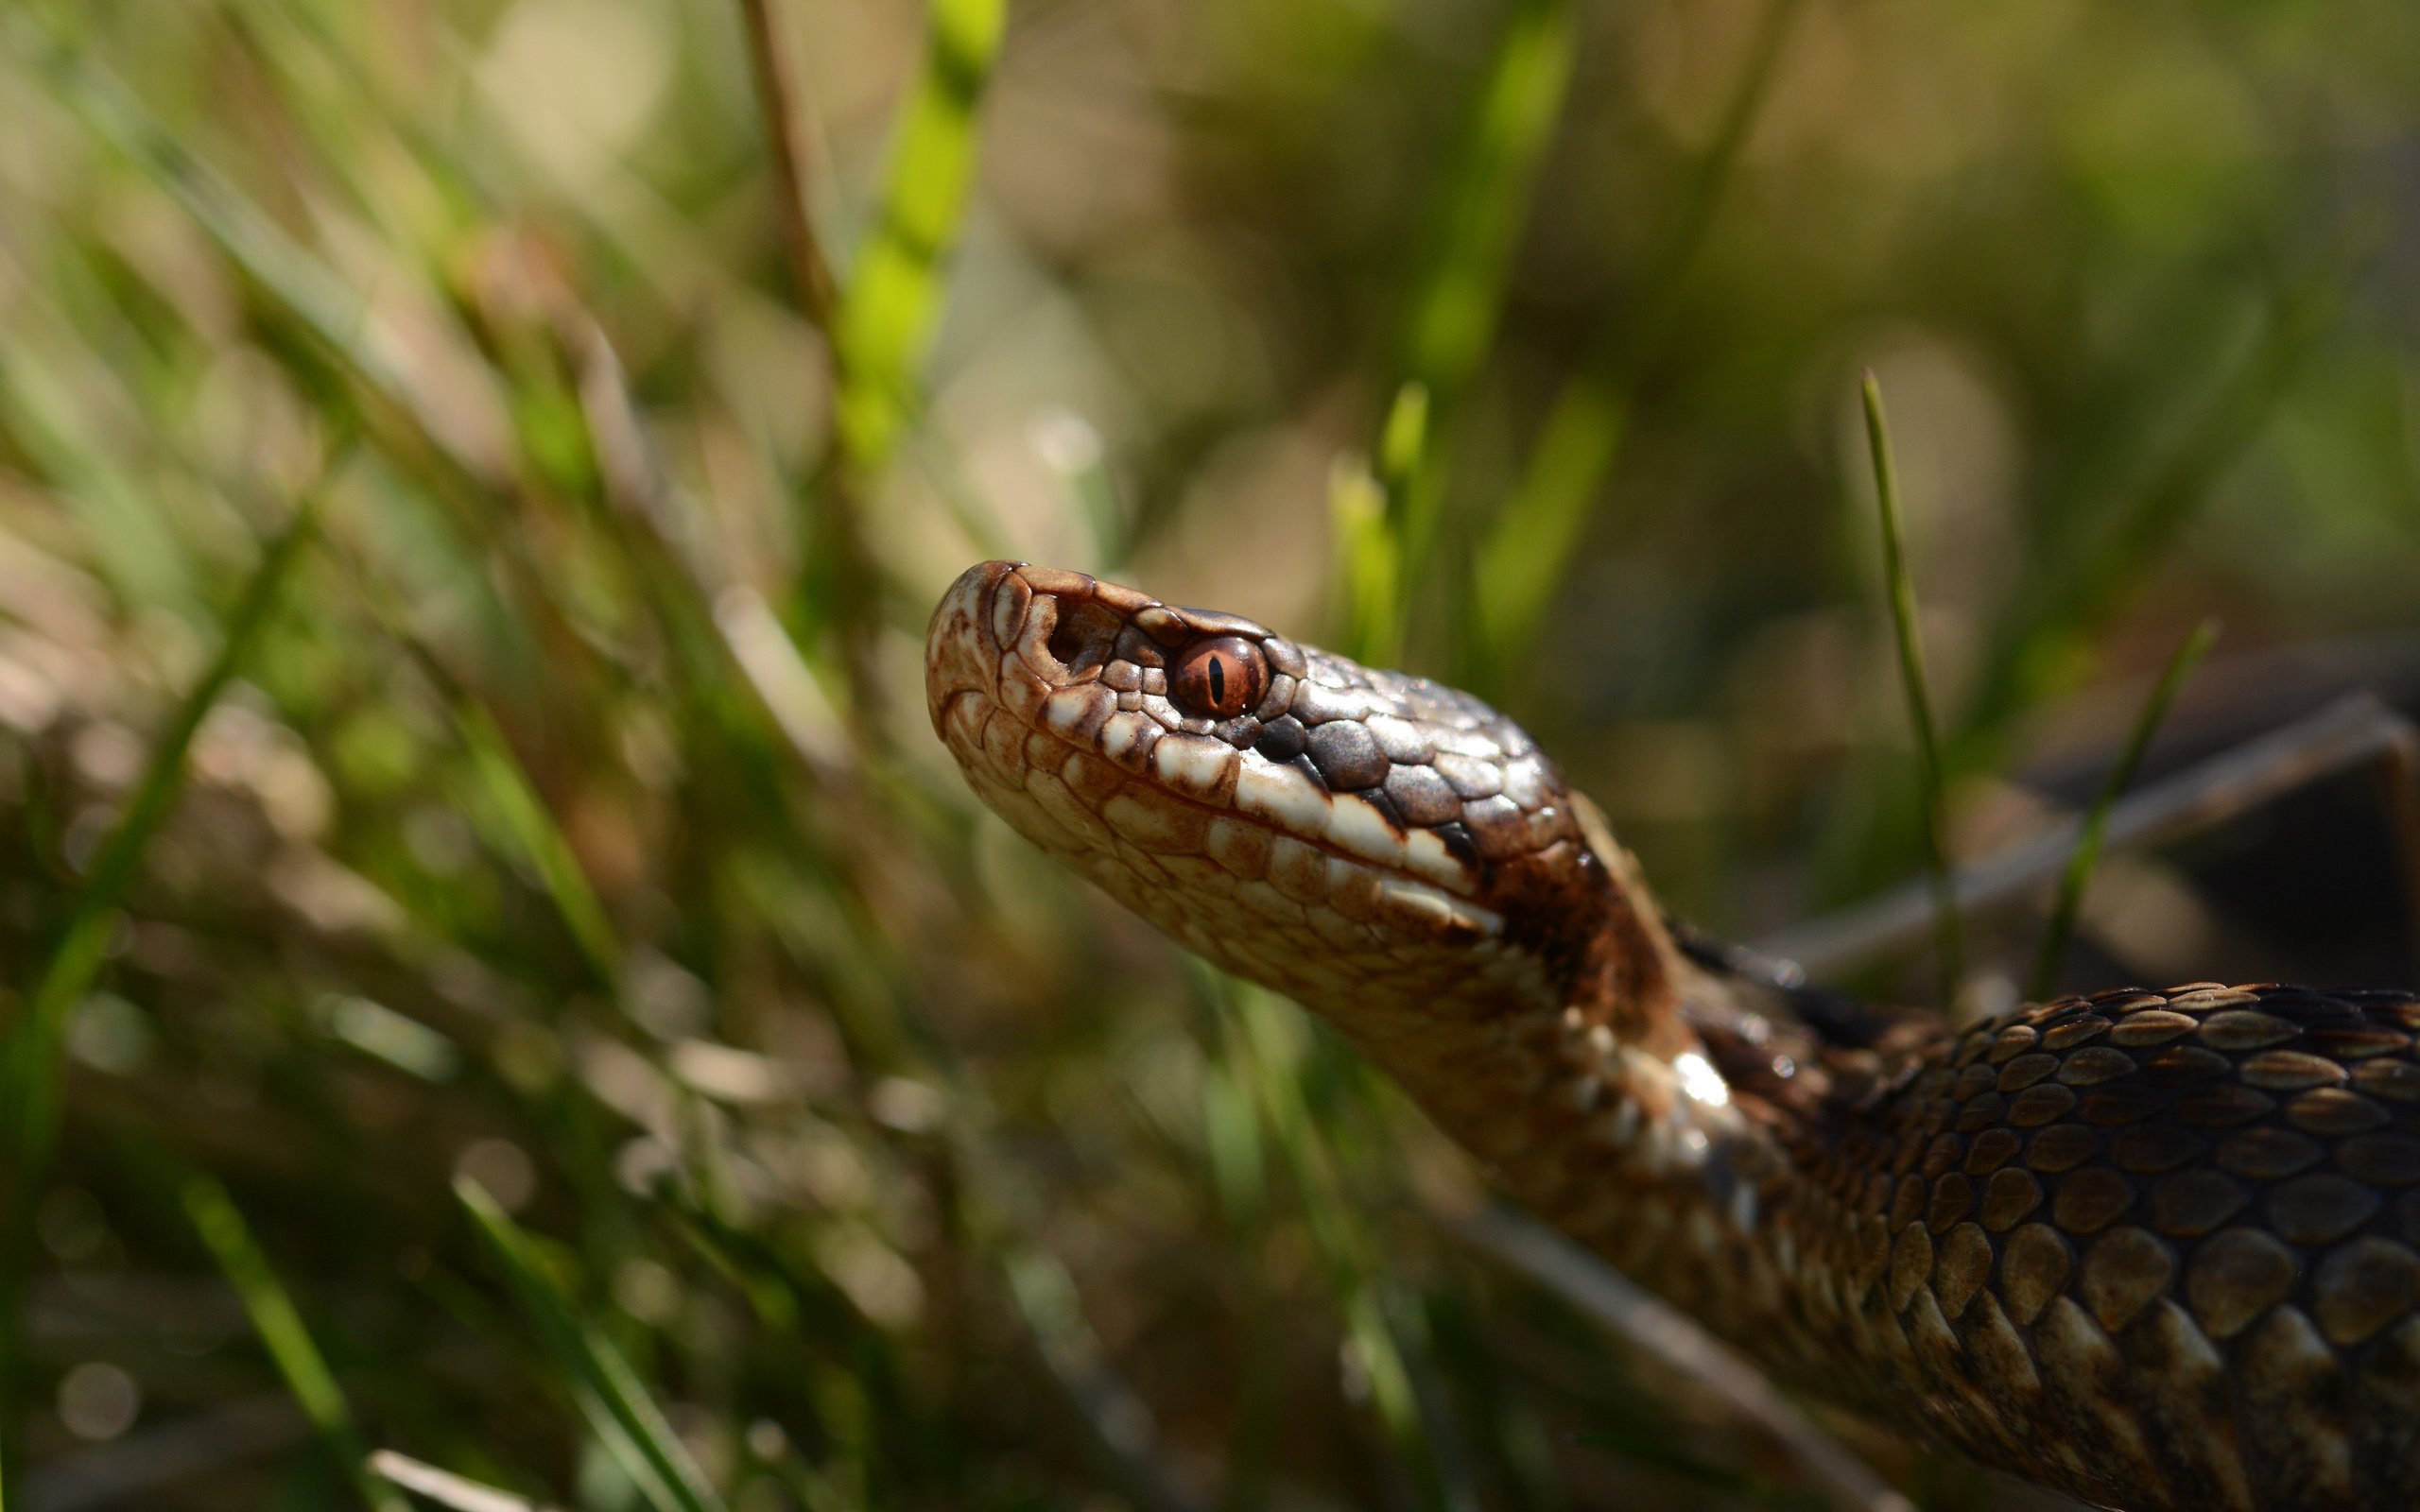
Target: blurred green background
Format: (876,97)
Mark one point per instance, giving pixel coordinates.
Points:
(460,716)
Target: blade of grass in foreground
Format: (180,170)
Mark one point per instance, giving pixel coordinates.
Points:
(887,312)
(2096,824)
(221,1226)
(1901,587)
(30,1074)
(303,286)
(607,1392)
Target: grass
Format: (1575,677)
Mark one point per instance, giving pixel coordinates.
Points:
(280,1326)
(2078,875)
(607,1059)
(610,1395)
(31,1072)
(893,294)
(1907,639)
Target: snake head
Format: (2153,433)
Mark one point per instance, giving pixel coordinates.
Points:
(1369,843)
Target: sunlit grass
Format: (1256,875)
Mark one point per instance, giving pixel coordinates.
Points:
(554,823)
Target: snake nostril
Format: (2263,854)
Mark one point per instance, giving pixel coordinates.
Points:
(1086,632)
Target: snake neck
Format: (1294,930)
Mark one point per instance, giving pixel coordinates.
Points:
(1677,1115)
(1605,1078)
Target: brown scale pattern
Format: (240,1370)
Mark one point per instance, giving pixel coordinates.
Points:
(2157,1249)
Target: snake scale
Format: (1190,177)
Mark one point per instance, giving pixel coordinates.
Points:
(2153,1250)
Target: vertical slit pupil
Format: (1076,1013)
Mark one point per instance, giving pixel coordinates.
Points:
(1217,679)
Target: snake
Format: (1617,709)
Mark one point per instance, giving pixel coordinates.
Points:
(2156,1250)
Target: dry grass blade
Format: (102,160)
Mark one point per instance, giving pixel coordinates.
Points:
(1907,635)
(778,103)
(893,295)
(444,1488)
(2347,733)
(1633,1314)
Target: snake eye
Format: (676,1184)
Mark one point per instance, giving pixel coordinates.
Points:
(1219,678)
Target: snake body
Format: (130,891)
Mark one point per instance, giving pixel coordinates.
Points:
(2153,1249)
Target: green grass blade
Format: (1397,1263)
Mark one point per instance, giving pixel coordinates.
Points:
(513,798)
(1368,513)
(1741,111)
(1366,520)
(2076,584)
(230,1240)
(893,295)
(607,1392)
(540,839)
(1453,314)
(2096,825)
(1527,548)
(30,1072)
(1403,451)
(1368,565)
(1524,552)
(1901,589)
(1482,207)
(133,541)
(2082,587)
(1383,1340)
